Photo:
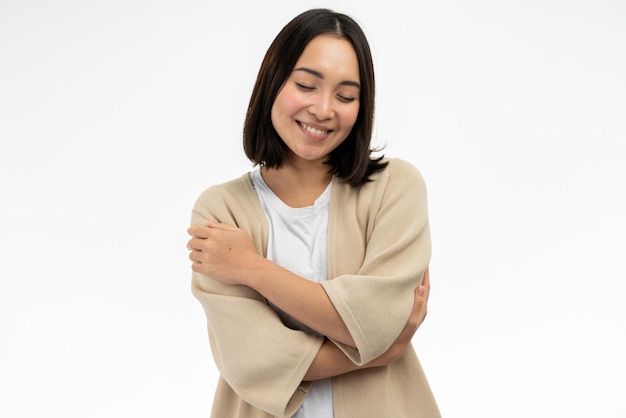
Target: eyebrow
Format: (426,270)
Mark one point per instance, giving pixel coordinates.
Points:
(321,76)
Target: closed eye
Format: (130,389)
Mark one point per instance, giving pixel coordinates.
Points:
(346,99)
(304,87)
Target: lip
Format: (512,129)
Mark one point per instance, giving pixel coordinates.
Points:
(314,131)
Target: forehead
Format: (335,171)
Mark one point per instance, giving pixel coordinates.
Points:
(331,56)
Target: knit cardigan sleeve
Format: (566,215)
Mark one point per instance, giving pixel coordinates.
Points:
(261,359)
(379,248)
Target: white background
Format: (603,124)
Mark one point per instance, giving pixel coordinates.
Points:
(115,115)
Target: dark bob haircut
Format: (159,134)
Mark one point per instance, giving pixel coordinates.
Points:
(351,161)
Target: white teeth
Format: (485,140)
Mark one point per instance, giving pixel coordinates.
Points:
(313,130)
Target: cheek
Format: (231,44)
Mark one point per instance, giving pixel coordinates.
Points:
(284,104)
(278,111)
(348,118)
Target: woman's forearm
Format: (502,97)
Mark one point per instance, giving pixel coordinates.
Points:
(331,361)
(303,299)
(225,253)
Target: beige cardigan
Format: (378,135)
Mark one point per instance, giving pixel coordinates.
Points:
(378,250)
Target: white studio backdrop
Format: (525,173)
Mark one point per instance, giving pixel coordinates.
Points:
(115,115)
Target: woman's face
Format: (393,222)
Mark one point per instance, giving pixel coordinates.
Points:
(317,106)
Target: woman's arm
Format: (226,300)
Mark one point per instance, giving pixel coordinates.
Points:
(359,310)
(225,253)
(331,361)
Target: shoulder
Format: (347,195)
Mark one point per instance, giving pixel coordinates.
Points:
(397,173)
(400,167)
(219,197)
(399,184)
(234,203)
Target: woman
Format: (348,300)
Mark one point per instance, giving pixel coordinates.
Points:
(309,267)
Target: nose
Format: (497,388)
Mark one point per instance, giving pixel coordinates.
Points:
(322,107)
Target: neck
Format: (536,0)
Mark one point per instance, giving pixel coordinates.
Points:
(297,186)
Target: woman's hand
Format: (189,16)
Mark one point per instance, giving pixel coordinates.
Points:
(222,252)
(418,314)
(226,254)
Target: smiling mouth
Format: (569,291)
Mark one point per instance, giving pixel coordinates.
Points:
(313,130)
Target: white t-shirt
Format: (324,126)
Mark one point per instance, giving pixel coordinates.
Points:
(297,242)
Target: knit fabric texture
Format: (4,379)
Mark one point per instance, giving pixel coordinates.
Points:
(378,249)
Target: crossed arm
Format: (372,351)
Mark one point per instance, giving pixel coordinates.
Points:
(330,361)
(226,254)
